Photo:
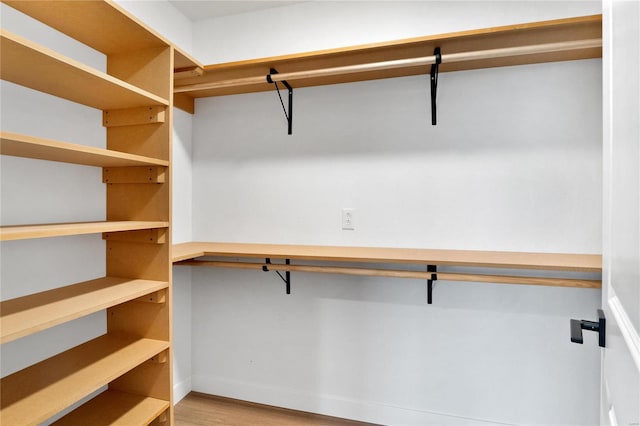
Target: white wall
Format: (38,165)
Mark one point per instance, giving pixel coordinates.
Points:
(514,164)
(182,232)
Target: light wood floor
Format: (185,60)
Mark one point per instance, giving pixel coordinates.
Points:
(198,409)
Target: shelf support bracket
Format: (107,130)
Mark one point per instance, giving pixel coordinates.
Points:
(434,83)
(287,274)
(289,115)
(434,277)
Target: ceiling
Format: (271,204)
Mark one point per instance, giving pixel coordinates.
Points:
(197,10)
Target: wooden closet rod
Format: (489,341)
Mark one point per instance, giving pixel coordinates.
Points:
(400,63)
(447,276)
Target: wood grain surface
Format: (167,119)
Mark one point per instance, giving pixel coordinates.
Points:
(198,409)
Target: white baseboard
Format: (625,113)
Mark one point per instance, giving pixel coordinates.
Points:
(180,390)
(329,405)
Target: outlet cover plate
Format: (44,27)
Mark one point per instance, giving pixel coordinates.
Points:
(348,219)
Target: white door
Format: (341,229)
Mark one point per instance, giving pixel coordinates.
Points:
(621,244)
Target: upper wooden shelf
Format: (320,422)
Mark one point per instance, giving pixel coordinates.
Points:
(36,312)
(487,259)
(546,32)
(102,25)
(22,232)
(46,149)
(36,393)
(30,65)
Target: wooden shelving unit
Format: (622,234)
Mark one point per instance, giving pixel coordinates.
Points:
(187,254)
(134,358)
(250,75)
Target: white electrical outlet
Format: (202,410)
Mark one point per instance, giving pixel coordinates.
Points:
(348,219)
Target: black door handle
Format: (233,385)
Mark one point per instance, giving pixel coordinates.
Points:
(578,325)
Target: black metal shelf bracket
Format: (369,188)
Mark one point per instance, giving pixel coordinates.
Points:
(434,83)
(289,115)
(287,274)
(434,277)
(601,326)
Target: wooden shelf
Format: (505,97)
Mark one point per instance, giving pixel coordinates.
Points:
(470,258)
(38,392)
(555,31)
(102,25)
(28,64)
(36,312)
(113,407)
(184,253)
(46,149)
(21,232)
